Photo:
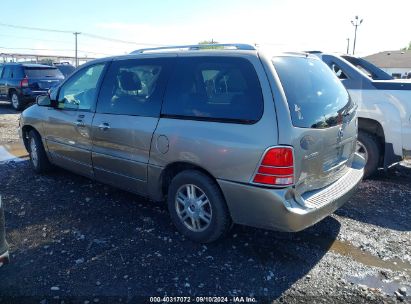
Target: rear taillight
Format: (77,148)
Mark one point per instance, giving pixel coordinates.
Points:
(24,83)
(276,167)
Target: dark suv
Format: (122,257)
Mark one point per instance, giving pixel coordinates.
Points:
(21,83)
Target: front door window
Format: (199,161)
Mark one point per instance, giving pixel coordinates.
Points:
(79,92)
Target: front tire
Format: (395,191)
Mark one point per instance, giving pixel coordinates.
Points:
(197,207)
(16,101)
(368,147)
(38,157)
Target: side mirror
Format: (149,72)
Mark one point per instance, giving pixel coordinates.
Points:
(45,101)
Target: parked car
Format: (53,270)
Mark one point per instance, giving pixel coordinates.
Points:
(21,83)
(4,248)
(224,135)
(384,110)
(65,68)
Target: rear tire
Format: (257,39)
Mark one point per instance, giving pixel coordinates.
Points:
(38,157)
(197,207)
(369,147)
(16,101)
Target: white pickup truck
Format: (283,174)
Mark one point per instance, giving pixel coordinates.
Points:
(384,110)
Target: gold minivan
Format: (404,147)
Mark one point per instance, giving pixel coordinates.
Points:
(224,135)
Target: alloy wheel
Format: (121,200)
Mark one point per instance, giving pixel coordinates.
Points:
(193,207)
(33,152)
(15,100)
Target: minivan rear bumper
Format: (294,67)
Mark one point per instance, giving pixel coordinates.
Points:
(281,209)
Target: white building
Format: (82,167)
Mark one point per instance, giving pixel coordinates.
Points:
(395,63)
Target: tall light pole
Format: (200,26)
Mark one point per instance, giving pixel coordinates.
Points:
(348,46)
(75,52)
(356,23)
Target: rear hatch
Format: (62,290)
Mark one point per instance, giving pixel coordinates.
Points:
(42,78)
(323,128)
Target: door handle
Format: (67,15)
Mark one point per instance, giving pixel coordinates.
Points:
(79,123)
(104,126)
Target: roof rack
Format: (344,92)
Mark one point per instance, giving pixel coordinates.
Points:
(196,47)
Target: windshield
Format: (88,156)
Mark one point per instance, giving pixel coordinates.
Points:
(316,97)
(40,72)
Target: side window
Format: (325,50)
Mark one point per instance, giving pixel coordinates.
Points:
(6,73)
(15,72)
(214,88)
(338,71)
(79,92)
(18,72)
(133,87)
(1,71)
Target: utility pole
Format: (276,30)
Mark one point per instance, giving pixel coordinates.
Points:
(348,46)
(356,23)
(76,57)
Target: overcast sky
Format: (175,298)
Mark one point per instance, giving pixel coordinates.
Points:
(292,25)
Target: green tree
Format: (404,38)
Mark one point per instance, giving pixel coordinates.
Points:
(407,48)
(46,61)
(209,42)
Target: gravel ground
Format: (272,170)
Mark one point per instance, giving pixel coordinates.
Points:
(8,123)
(74,240)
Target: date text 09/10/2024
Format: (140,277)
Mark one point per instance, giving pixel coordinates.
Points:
(208,299)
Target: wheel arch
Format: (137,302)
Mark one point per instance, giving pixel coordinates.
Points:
(172,169)
(374,128)
(11,90)
(25,130)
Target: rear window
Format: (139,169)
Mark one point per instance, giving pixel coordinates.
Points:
(40,72)
(316,97)
(223,89)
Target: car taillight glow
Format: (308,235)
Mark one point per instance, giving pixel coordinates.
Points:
(24,83)
(276,167)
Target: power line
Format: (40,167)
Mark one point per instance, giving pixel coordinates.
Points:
(118,40)
(45,40)
(56,50)
(37,39)
(25,55)
(71,32)
(34,28)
